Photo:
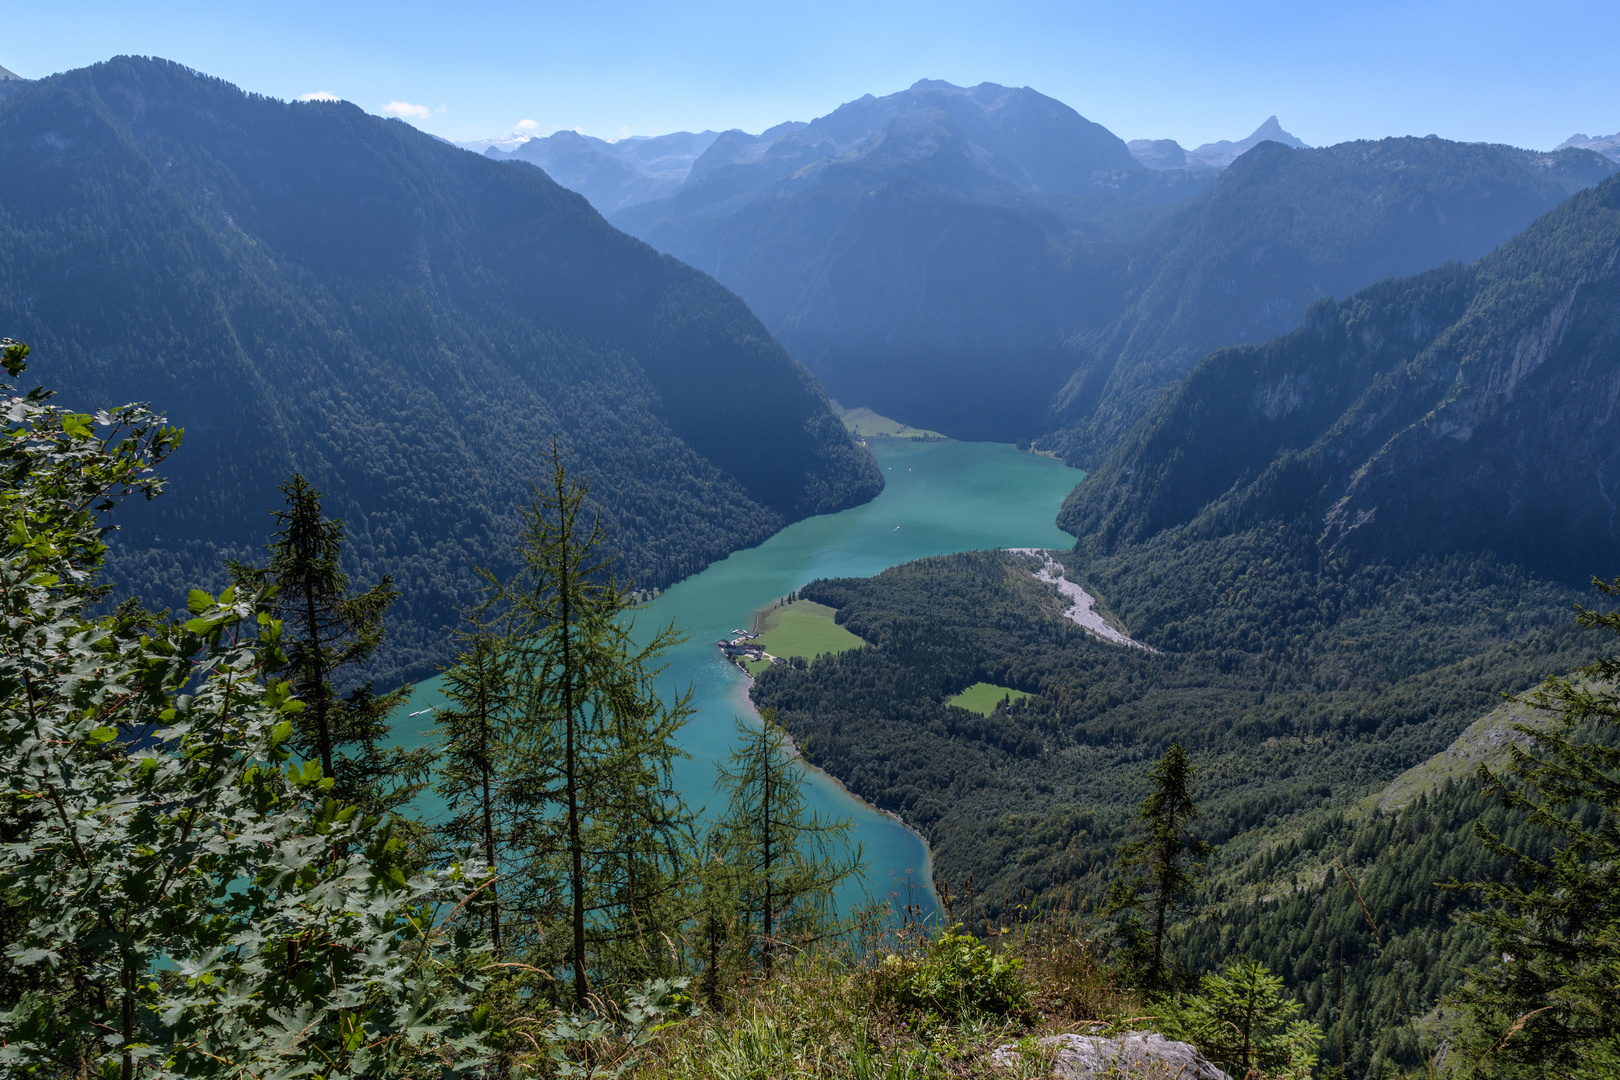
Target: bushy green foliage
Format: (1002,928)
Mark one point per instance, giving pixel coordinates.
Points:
(185,897)
(953,975)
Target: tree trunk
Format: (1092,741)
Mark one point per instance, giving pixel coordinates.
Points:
(765,773)
(128,1026)
(489,845)
(315,676)
(576,855)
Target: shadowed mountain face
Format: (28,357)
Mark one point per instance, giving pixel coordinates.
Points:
(304,286)
(987,263)
(613,175)
(927,253)
(1469,409)
(1282,228)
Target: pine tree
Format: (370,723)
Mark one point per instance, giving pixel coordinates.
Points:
(1552,1005)
(598,825)
(1168,861)
(786,860)
(331,632)
(473,739)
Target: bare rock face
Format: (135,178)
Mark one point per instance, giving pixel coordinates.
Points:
(1136,1055)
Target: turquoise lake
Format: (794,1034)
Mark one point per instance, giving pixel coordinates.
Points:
(940,497)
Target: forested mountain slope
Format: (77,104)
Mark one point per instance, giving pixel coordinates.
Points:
(1467,409)
(1282,228)
(1299,684)
(304,286)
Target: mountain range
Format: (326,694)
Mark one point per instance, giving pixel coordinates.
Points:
(1279,229)
(613,175)
(988,263)
(1468,409)
(1607,145)
(1169,154)
(304,286)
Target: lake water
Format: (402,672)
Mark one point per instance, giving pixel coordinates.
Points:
(940,497)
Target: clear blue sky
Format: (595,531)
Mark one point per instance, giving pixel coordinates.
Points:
(1524,73)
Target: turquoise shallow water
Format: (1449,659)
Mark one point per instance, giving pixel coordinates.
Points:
(940,497)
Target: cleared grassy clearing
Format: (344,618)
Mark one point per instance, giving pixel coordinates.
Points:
(983,697)
(863,423)
(804,629)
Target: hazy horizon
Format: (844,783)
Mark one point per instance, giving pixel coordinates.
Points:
(1492,72)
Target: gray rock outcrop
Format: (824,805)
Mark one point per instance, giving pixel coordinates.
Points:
(1136,1055)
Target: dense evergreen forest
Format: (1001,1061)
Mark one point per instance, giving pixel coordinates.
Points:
(1298,684)
(307,287)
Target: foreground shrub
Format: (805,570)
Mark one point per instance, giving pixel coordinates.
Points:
(956,974)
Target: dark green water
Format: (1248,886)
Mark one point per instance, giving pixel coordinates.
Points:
(941,497)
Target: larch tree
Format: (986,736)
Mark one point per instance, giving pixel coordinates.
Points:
(600,840)
(786,861)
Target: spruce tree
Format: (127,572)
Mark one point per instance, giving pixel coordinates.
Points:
(785,859)
(1551,1005)
(600,839)
(332,632)
(473,739)
(1166,861)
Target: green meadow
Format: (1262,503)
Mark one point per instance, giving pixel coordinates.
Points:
(801,628)
(983,697)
